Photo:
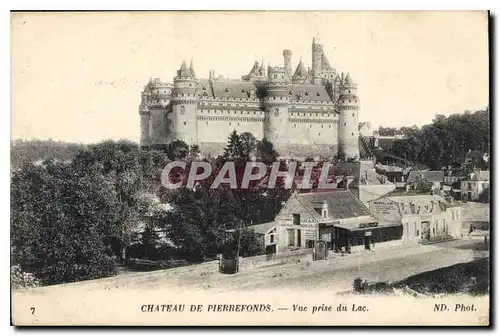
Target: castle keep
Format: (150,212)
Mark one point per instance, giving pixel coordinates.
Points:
(311,111)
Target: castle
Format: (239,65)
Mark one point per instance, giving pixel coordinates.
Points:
(311,111)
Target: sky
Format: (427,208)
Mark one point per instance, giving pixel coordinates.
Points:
(78,76)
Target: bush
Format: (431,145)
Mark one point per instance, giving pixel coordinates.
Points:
(21,280)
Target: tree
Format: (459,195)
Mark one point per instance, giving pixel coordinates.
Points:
(266,152)
(177,150)
(61,218)
(235,148)
(249,144)
(194,150)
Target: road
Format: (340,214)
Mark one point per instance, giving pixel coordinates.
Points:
(335,274)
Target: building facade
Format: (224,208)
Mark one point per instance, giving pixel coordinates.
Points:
(476,184)
(312,110)
(337,218)
(424,218)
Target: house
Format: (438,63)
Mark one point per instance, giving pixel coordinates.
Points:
(423,217)
(476,158)
(475,184)
(433,178)
(337,217)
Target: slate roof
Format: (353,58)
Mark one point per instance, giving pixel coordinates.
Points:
(262,228)
(428,175)
(314,92)
(233,88)
(341,203)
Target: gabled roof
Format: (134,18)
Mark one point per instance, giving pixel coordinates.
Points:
(262,228)
(341,203)
(427,175)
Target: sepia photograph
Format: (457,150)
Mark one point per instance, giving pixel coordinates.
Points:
(250,168)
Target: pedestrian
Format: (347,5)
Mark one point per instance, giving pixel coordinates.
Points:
(373,245)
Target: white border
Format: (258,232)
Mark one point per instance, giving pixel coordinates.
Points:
(185,5)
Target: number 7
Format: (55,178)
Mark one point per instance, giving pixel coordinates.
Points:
(32,310)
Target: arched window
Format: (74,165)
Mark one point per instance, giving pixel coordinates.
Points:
(276,112)
(183,109)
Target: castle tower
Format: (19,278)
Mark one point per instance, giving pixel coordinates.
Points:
(158,99)
(144,115)
(317,61)
(348,107)
(276,105)
(184,105)
(287,62)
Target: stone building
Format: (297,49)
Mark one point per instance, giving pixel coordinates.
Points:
(312,110)
(424,218)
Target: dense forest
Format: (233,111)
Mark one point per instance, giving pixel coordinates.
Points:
(25,151)
(445,141)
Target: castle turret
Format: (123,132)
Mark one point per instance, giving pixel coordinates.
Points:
(144,115)
(158,96)
(287,62)
(317,61)
(184,105)
(348,107)
(276,107)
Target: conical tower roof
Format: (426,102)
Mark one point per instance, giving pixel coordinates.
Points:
(300,71)
(347,79)
(191,68)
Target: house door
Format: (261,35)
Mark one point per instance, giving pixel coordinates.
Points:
(426,230)
(367,242)
(299,239)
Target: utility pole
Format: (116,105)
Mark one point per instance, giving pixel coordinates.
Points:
(238,250)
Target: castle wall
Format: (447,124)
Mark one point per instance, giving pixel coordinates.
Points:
(158,126)
(144,128)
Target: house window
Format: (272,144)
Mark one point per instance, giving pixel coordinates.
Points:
(271,238)
(325,214)
(418,233)
(296,219)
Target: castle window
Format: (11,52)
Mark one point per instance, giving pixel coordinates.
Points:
(206,124)
(242,90)
(307,93)
(182,94)
(319,134)
(329,126)
(310,125)
(184,123)
(345,124)
(226,90)
(349,100)
(321,126)
(183,109)
(318,94)
(290,93)
(353,114)
(294,125)
(229,124)
(276,112)
(238,124)
(352,133)
(190,84)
